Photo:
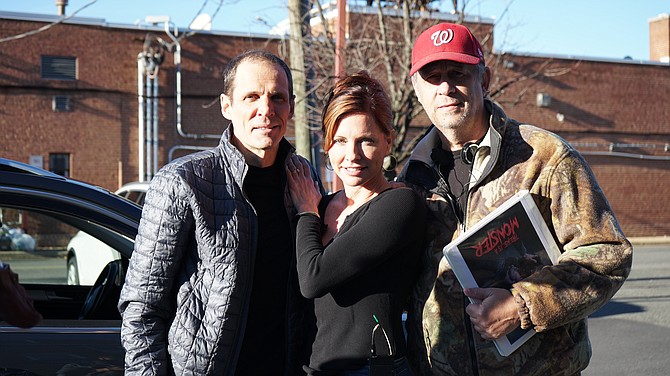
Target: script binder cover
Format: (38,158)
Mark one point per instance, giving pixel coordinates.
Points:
(506,246)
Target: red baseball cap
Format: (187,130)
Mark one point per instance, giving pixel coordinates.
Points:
(446,41)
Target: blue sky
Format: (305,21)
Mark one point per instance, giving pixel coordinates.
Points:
(592,28)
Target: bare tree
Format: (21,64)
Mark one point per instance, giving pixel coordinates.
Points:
(381,43)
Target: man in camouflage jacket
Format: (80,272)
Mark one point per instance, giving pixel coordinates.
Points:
(448,336)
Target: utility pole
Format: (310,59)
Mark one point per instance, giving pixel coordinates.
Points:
(340,39)
(340,61)
(298,11)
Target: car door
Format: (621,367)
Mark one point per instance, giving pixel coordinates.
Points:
(80,333)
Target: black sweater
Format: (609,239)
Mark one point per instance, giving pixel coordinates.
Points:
(367,269)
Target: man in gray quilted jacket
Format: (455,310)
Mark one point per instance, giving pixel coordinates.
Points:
(211,287)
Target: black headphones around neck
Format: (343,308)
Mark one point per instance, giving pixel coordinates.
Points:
(468,152)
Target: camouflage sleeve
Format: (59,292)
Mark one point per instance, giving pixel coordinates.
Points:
(596,256)
(524,312)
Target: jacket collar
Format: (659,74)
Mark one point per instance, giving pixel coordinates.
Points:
(236,159)
(489,148)
(423,149)
(497,123)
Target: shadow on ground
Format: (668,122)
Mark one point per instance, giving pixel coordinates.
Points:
(616,308)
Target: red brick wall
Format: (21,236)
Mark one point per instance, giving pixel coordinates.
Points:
(616,115)
(602,103)
(101,132)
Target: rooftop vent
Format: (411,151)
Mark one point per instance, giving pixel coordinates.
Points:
(61,4)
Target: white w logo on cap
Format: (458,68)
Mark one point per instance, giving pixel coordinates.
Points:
(441,37)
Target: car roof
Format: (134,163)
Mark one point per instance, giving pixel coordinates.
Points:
(135,191)
(15,166)
(24,186)
(136,186)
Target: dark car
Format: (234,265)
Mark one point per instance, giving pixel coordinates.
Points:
(80,333)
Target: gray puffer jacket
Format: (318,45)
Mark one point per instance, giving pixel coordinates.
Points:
(185,299)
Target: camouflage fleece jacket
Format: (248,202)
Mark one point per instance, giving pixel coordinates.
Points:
(555,301)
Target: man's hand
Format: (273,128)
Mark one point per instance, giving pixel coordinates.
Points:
(496,313)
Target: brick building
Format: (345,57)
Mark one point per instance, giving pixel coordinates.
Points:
(616,114)
(69,101)
(614,111)
(70,94)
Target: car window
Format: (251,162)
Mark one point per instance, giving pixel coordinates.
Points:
(44,249)
(135,196)
(80,330)
(134,192)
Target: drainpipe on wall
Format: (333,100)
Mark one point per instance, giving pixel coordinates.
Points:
(140,116)
(154,138)
(177,62)
(149,113)
(185,147)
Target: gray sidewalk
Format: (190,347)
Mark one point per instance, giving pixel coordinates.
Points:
(630,335)
(650,240)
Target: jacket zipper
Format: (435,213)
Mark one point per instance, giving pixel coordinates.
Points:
(468,323)
(471,339)
(249,283)
(291,270)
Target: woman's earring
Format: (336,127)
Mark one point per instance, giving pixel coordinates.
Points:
(329,166)
(390,163)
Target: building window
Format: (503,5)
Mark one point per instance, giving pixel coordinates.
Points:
(59,163)
(61,103)
(59,68)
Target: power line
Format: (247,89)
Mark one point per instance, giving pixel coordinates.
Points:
(45,27)
(190,32)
